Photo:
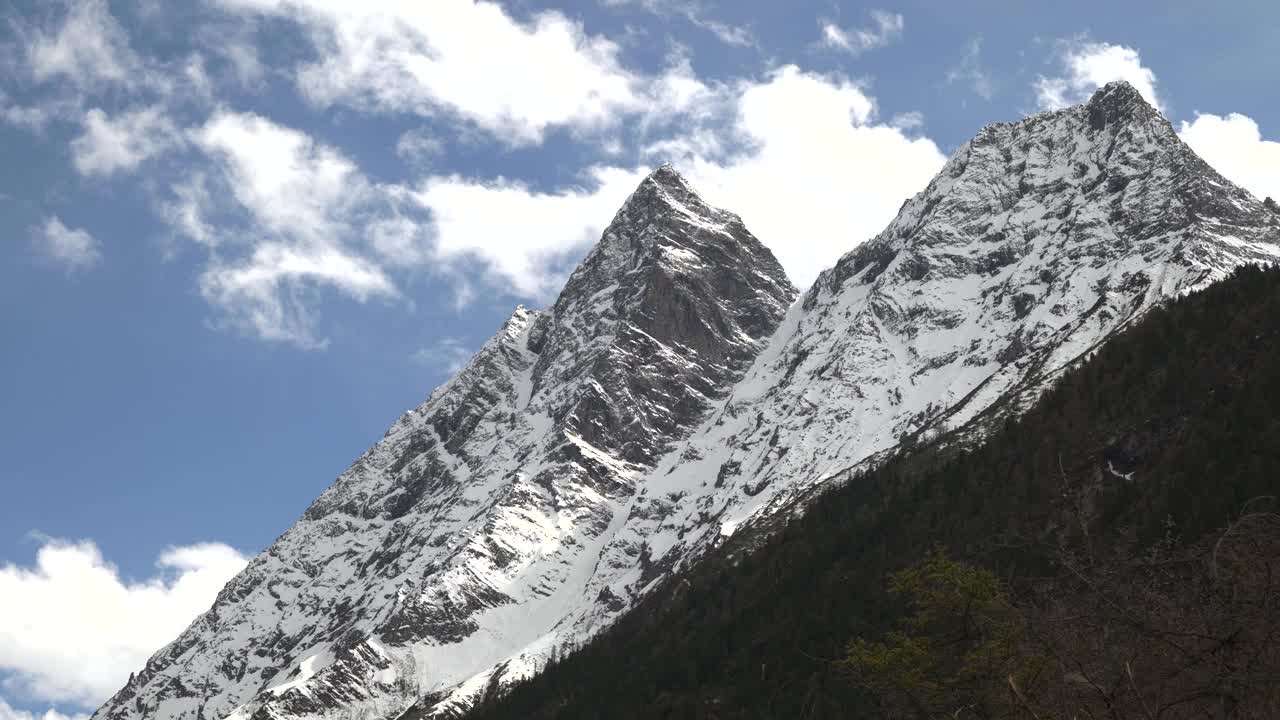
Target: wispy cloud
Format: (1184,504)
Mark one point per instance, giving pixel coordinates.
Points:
(971,71)
(419,146)
(87,49)
(114,144)
(911,120)
(70,248)
(886,27)
(696,14)
(303,207)
(447,355)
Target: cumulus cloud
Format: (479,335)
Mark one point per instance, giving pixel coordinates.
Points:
(72,628)
(521,235)
(821,175)
(71,248)
(1087,66)
(1235,147)
(816,175)
(8,712)
(299,211)
(109,145)
(886,27)
(469,58)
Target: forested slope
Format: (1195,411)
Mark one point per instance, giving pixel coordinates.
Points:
(1139,459)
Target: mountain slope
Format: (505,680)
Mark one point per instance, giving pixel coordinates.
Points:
(1037,242)
(464,538)
(1170,429)
(670,399)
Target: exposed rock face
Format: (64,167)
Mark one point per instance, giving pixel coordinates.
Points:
(1036,242)
(669,397)
(465,538)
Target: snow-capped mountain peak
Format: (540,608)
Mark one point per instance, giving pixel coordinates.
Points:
(460,546)
(674,394)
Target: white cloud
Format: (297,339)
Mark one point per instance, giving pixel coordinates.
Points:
(72,248)
(289,183)
(72,629)
(817,176)
(304,208)
(466,57)
(8,712)
(887,27)
(1088,66)
(109,145)
(271,292)
(971,71)
(821,176)
(90,48)
(522,235)
(186,211)
(1235,147)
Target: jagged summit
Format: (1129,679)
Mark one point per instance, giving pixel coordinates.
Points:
(464,547)
(665,190)
(666,182)
(1119,103)
(1120,94)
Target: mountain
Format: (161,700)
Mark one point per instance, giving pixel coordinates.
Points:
(1149,470)
(463,540)
(675,395)
(1036,242)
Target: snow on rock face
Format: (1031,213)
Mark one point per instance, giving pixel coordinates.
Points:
(675,394)
(1036,242)
(457,551)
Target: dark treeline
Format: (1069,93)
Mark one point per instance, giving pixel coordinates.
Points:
(1138,459)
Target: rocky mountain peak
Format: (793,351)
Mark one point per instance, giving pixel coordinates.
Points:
(1117,105)
(674,283)
(459,549)
(675,267)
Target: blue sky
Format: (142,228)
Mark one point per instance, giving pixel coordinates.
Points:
(239,237)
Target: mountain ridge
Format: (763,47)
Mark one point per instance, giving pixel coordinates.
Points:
(675,394)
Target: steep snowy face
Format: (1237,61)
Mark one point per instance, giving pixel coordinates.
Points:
(1037,241)
(458,550)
